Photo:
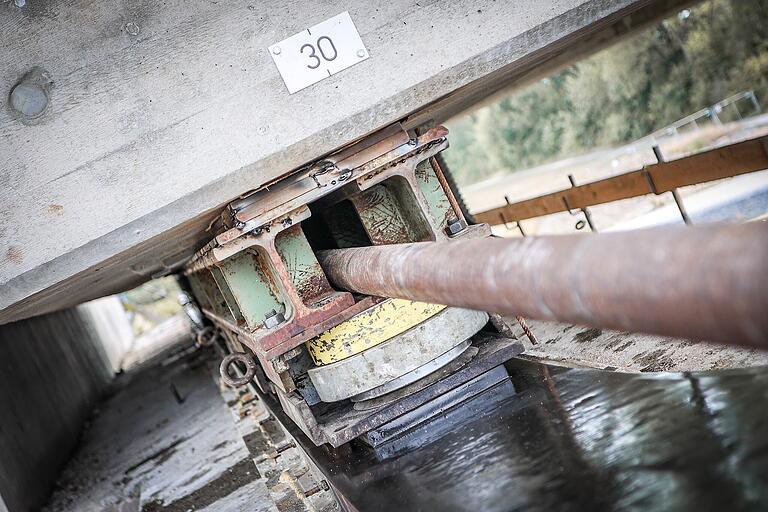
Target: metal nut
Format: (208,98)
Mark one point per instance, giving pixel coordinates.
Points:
(455,226)
(246,360)
(273,319)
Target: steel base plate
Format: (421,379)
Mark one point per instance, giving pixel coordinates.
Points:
(571,439)
(340,422)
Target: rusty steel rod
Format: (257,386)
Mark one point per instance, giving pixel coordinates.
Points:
(703,283)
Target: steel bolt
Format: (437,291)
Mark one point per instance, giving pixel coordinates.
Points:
(455,226)
(29,100)
(273,319)
(276,50)
(361,53)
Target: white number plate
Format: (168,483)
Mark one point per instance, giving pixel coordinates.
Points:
(318,52)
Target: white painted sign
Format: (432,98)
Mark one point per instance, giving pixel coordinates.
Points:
(318,52)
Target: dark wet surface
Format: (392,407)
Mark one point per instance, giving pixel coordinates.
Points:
(146,450)
(556,439)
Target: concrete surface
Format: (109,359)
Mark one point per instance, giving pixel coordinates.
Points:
(111,325)
(164,441)
(161,112)
(585,346)
(162,338)
(53,368)
(171,439)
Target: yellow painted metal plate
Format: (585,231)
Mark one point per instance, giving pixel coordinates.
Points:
(375,325)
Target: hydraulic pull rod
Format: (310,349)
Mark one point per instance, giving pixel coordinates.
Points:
(705,283)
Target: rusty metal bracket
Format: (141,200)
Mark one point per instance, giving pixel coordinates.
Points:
(228,365)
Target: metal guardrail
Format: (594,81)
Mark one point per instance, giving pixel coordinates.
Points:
(713,113)
(664,176)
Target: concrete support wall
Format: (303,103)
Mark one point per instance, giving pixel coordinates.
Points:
(53,368)
(107,318)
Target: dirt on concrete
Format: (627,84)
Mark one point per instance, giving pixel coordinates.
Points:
(584,346)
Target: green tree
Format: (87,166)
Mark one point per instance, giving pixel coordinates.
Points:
(685,63)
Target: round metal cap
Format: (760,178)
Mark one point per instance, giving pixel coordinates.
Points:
(397,356)
(29,100)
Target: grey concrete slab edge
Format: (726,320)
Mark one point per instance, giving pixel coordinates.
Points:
(106,205)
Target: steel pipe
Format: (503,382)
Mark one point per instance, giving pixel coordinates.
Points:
(705,283)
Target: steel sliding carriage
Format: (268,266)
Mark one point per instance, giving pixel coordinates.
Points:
(343,364)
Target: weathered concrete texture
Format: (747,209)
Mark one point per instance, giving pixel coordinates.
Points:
(578,345)
(160,112)
(52,369)
(164,442)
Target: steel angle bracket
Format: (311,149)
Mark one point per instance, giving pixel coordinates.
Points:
(321,179)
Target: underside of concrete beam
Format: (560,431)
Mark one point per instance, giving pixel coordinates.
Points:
(157,114)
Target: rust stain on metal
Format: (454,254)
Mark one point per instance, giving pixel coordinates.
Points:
(705,283)
(305,274)
(424,174)
(381,217)
(266,224)
(446,188)
(263,268)
(304,186)
(433,139)
(280,341)
(349,159)
(527,330)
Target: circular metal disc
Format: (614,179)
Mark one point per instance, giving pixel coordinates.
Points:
(398,356)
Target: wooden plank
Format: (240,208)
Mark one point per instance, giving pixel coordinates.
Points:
(163,111)
(715,164)
(723,162)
